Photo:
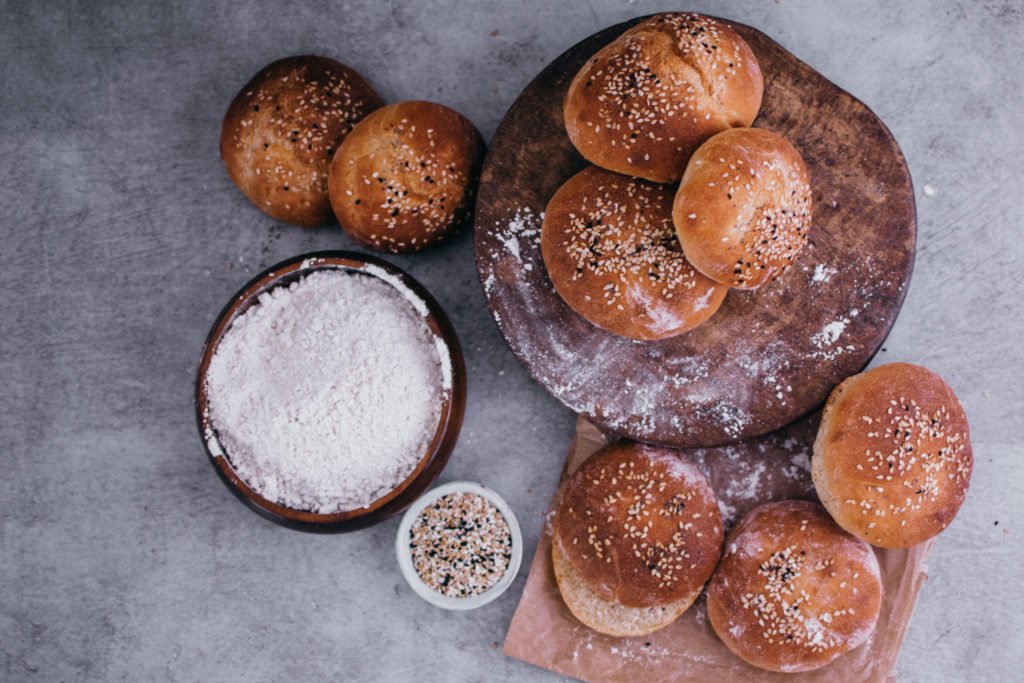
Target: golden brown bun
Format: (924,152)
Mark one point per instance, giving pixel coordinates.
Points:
(892,460)
(647,100)
(282,129)
(611,251)
(743,208)
(640,526)
(405,176)
(793,591)
(606,616)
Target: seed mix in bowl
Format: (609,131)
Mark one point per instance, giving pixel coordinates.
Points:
(461,545)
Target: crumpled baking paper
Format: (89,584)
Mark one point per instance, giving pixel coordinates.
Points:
(776,467)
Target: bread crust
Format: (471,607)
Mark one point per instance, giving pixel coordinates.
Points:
(283,127)
(647,100)
(743,209)
(892,458)
(793,590)
(405,177)
(640,525)
(606,616)
(611,252)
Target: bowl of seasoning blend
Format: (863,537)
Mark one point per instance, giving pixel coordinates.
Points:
(459,546)
(330,392)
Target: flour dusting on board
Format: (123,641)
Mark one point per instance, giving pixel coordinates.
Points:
(525,225)
(685,390)
(830,333)
(825,339)
(822,273)
(517,234)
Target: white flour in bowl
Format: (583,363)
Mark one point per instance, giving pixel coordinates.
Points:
(326,393)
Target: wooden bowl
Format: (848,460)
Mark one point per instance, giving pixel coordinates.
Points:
(441,445)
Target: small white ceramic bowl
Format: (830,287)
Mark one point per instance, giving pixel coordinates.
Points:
(405,553)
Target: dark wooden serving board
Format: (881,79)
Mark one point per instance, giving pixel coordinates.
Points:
(767,357)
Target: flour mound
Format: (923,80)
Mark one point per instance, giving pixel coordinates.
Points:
(325,394)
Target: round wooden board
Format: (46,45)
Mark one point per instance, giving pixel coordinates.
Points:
(767,357)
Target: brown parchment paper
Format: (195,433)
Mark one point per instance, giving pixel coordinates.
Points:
(776,467)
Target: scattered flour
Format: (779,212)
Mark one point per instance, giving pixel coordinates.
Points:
(825,339)
(830,333)
(731,417)
(524,223)
(746,488)
(512,246)
(822,273)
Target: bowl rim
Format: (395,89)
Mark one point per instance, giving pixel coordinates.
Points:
(453,400)
(404,553)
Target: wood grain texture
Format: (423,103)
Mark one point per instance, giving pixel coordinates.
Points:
(767,357)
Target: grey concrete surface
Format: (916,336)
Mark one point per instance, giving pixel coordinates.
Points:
(121,555)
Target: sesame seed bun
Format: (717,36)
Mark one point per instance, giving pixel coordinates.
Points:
(282,129)
(405,177)
(606,616)
(743,208)
(892,459)
(640,528)
(647,100)
(611,252)
(793,591)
